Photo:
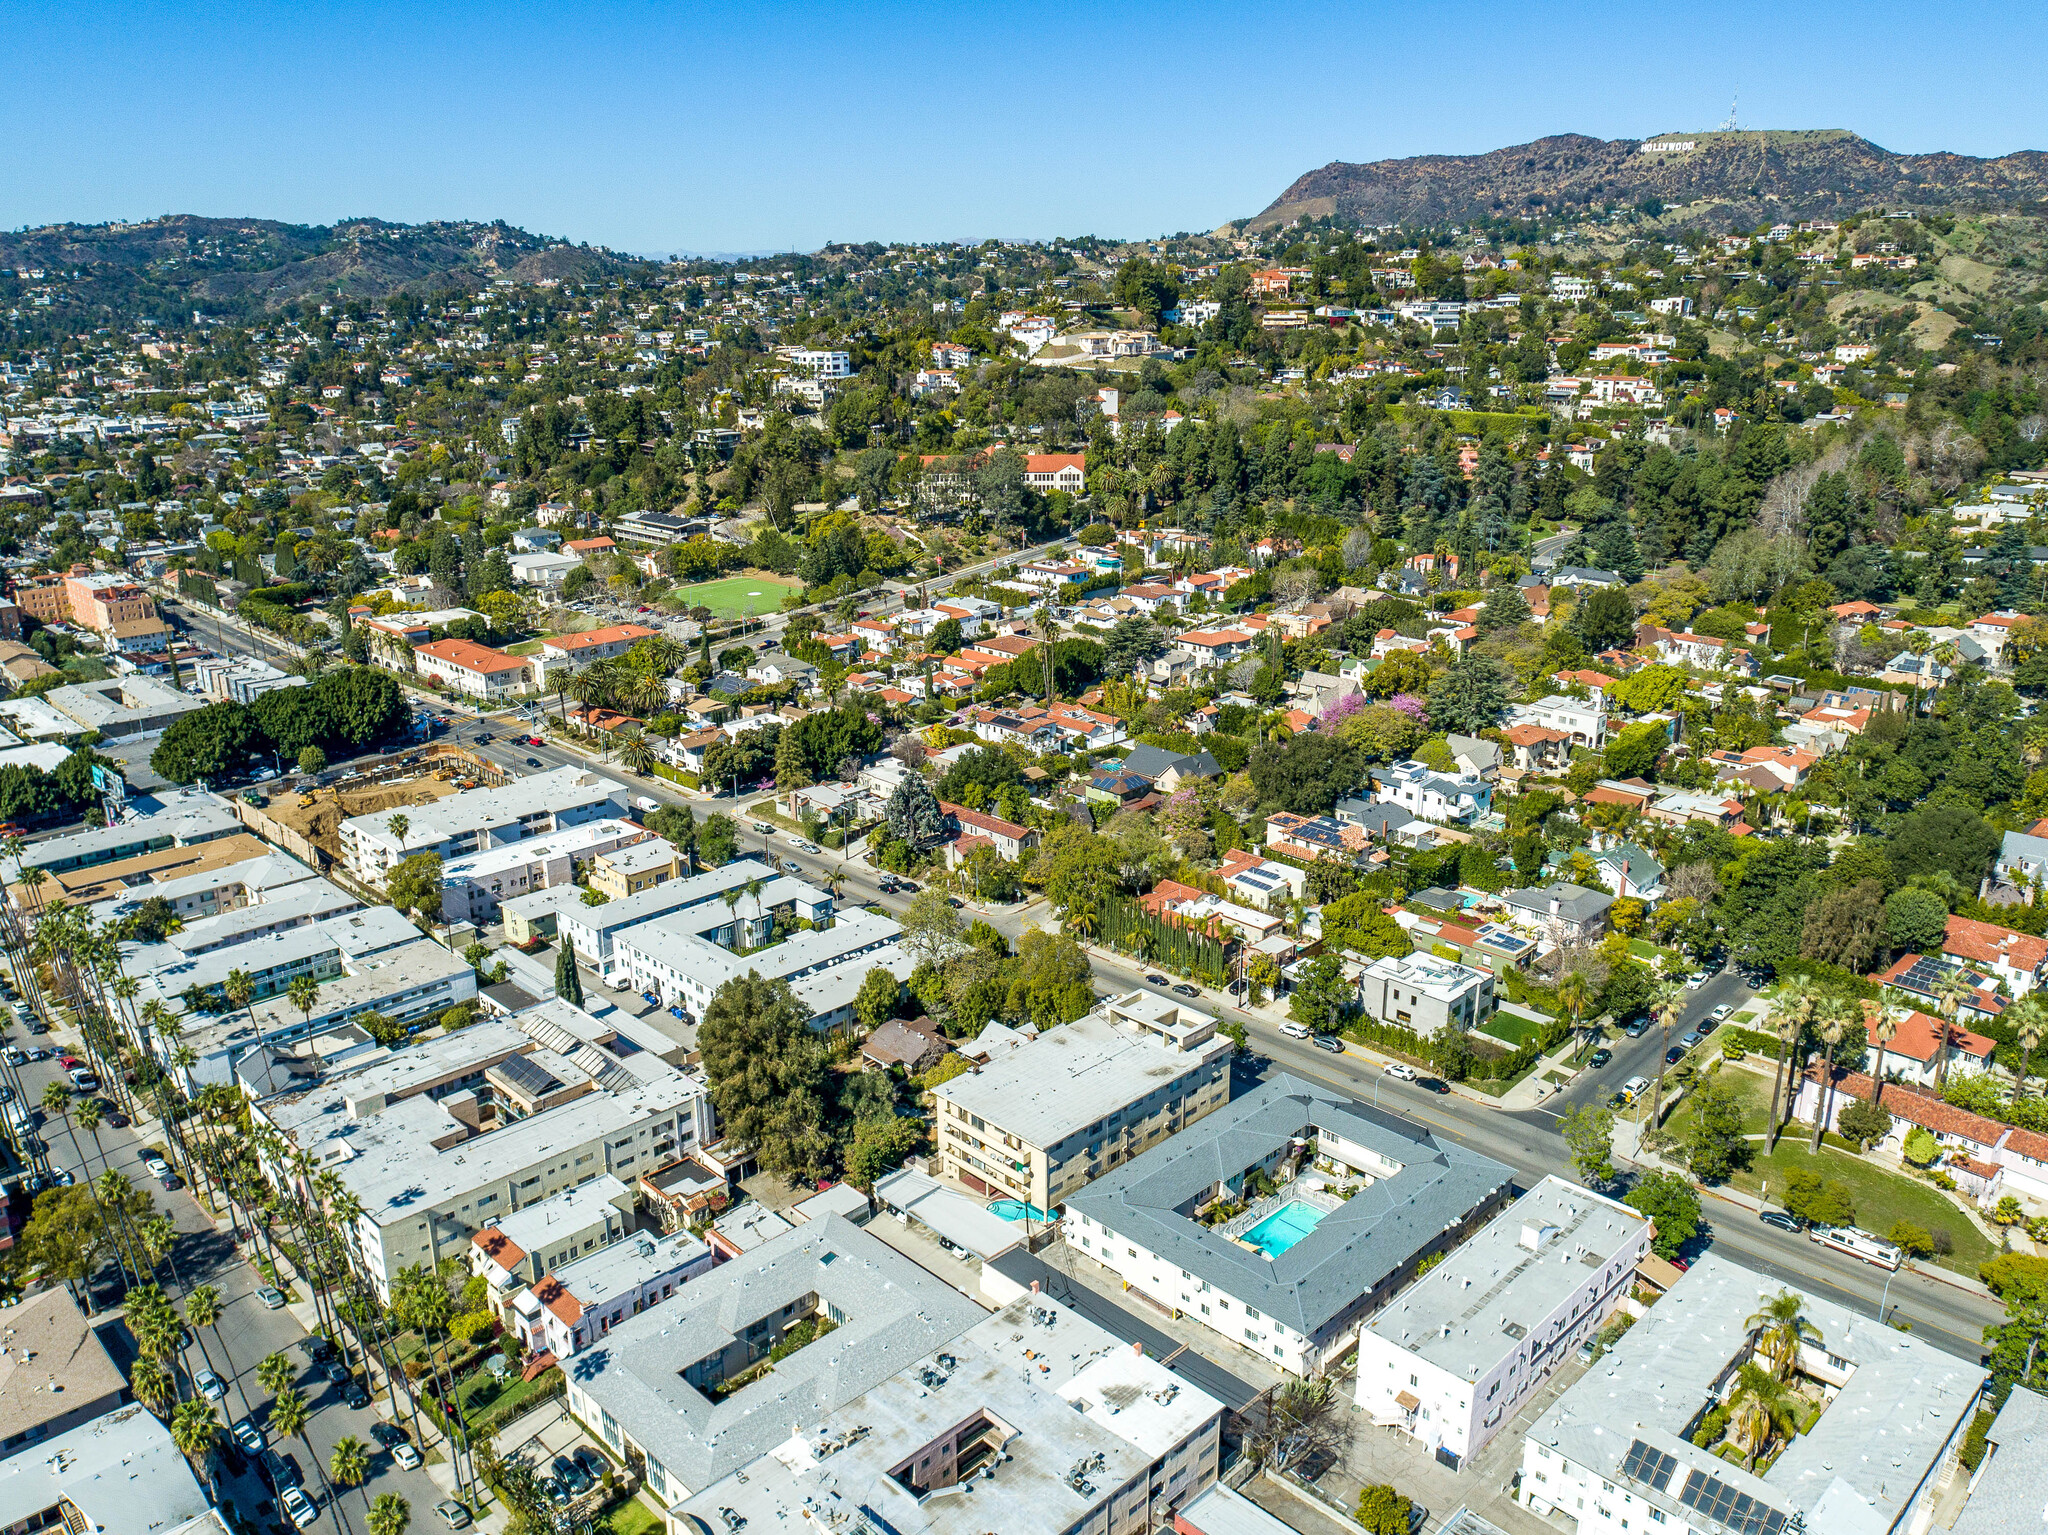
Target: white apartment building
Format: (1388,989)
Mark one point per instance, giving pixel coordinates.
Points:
(815,363)
(517,1250)
(1427,994)
(1583,719)
(576,1305)
(594,930)
(1453,1358)
(1363,1197)
(475,887)
(1615,1453)
(480,818)
(1081,1099)
(456,1130)
(912,1409)
(685,957)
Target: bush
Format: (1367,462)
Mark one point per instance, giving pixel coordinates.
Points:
(1921,1148)
(1914,1241)
(1977,1440)
(1865,1123)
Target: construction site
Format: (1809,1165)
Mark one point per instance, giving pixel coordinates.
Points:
(306,821)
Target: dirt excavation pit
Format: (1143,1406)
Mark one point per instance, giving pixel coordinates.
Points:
(320,822)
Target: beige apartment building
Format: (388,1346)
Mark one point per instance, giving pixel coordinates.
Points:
(1038,1123)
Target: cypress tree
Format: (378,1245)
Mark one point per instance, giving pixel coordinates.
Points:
(568,982)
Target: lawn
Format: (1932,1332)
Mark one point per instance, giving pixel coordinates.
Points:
(739,596)
(1517,1032)
(1755,1095)
(631,1517)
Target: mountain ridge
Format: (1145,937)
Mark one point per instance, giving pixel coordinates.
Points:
(1727,178)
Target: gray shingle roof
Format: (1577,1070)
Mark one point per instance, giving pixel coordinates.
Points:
(1351,1249)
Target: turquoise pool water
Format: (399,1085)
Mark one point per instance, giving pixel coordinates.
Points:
(1017,1210)
(1283,1228)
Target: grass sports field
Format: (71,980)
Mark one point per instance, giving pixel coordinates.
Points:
(739,596)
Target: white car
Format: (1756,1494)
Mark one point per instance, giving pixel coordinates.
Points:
(1721,1012)
(406,1457)
(297,1507)
(1295,1030)
(156,1166)
(622,982)
(210,1385)
(1401,1070)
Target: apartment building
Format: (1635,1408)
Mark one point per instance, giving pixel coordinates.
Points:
(513,1251)
(475,887)
(1363,1197)
(576,651)
(683,958)
(117,610)
(55,1375)
(593,931)
(628,870)
(481,818)
(438,1138)
(1453,1358)
(473,669)
(576,1305)
(1082,1099)
(911,1405)
(1616,1451)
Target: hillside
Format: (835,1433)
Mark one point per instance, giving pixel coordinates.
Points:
(1726,180)
(258,264)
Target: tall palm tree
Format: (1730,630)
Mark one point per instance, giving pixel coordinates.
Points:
(1779,1330)
(1758,1407)
(1835,1022)
(1574,992)
(203,1310)
(349,1465)
(635,755)
(153,1384)
(399,825)
(2030,1017)
(1667,1000)
(304,993)
(195,1429)
(289,1418)
(390,1515)
(1884,1027)
(275,1373)
(1795,1007)
(1953,989)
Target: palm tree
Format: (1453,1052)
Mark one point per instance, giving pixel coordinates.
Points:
(1573,993)
(274,1373)
(195,1429)
(1795,1010)
(203,1310)
(1883,1028)
(390,1515)
(399,825)
(289,1417)
(1951,992)
(1668,1002)
(635,755)
(1779,1330)
(1834,1028)
(304,993)
(153,1384)
(349,1465)
(1759,1406)
(2028,1025)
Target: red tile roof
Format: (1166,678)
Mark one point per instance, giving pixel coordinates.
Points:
(1986,943)
(1918,1032)
(472,657)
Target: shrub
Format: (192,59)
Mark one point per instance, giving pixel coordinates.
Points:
(1915,1241)
(1977,1440)
(1864,1123)
(1921,1148)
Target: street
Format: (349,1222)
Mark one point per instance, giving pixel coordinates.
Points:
(248,1331)
(1528,1141)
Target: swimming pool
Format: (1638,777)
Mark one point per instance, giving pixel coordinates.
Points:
(1017,1210)
(1284,1227)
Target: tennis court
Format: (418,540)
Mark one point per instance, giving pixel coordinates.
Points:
(739,596)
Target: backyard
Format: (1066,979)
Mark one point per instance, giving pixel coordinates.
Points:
(739,596)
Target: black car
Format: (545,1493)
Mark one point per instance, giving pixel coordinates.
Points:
(171,1181)
(1601,1057)
(533,762)
(1674,1055)
(571,1475)
(1780,1219)
(907,886)
(1432,1084)
(355,1395)
(1156,980)
(387,1434)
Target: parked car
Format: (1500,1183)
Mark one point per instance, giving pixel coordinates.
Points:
(1329,1042)
(1185,990)
(405,1457)
(297,1507)
(1400,1070)
(593,1463)
(1588,1351)
(1721,1012)
(1295,1030)
(210,1385)
(390,1435)
(1690,1038)
(334,1370)
(1156,980)
(1779,1218)
(763,828)
(807,847)
(355,1395)
(452,1514)
(791,866)
(155,1165)
(571,1475)
(272,1297)
(83,1080)
(250,1437)
(1433,1085)
(1637,1029)
(1601,1057)
(1674,1055)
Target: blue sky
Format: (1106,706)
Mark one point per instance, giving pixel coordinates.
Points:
(654,127)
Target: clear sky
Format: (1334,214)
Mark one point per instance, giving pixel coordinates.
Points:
(656,127)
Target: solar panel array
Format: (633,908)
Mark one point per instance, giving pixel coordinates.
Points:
(534,1081)
(1651,1467)
(1716,1500)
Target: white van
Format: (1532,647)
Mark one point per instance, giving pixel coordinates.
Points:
(1857,1244)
